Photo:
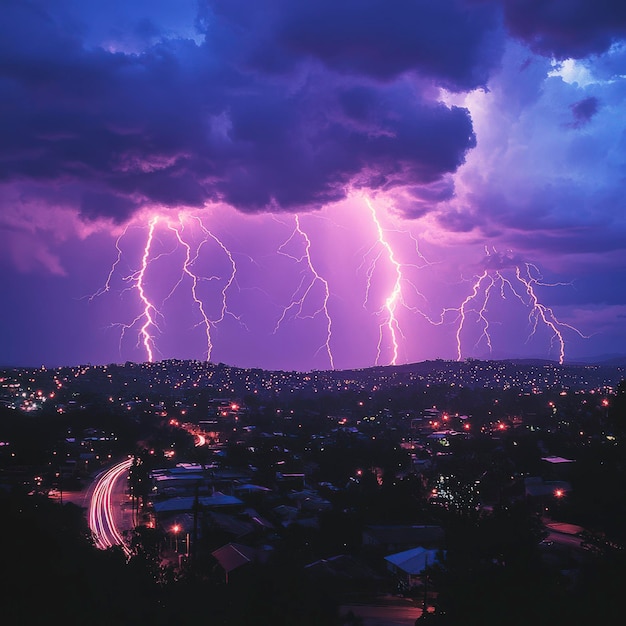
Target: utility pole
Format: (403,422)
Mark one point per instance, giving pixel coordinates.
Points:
(425,603)
(194,543)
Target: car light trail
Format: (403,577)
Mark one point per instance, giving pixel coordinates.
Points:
(100,516)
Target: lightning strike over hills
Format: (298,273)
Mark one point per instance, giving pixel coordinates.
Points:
(375,137)
(147,318)
(188,264)
(305,287)
(540,312)
(463,312)
(149,310)
(229,281)
(482,288)
(394,297)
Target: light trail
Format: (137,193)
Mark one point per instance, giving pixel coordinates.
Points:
(101,517)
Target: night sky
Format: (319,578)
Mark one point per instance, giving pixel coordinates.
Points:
(312,184)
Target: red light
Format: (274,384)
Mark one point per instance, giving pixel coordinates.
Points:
(559,493)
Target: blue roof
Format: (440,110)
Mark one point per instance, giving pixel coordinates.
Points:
(413,561)
(185,503)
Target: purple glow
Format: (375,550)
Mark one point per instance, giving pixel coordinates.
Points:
(293,187)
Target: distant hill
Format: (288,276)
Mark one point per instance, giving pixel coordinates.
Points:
(608,360)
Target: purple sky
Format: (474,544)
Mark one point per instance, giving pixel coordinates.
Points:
(312,184)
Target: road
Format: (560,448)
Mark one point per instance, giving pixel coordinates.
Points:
(107,515)
(395,612)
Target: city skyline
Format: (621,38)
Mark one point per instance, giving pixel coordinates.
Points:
(311,186)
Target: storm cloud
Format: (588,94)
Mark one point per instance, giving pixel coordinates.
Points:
(187,122)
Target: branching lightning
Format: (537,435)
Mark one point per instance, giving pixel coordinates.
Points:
(149,312)
(394,298)
(310,277)
(107,284)
(390,325)
(541,313)
(187,269)
(147,318)
(482,288)
(224,311)
(502,277)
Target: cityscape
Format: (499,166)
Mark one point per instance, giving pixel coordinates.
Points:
(313,312)
(375,496)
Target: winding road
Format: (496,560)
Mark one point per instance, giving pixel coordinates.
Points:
(106,513)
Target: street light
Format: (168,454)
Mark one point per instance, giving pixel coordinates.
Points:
(176,530)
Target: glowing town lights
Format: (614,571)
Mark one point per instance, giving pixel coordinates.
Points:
(303,291)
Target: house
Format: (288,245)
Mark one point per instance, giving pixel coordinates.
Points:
(410,565)
(234,556)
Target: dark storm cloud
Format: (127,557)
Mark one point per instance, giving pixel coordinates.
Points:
(449,41)
(566,28)
(183,124)
(584,110)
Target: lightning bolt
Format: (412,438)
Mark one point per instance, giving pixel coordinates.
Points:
(305,287)
(147,319)
(149,312)
(206,321)
(107,285)
(187,265)
(390,325)
(137,281)
(224,311)
(539,313)
(463,312)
